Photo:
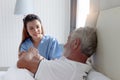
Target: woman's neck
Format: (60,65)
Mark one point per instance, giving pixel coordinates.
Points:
(36,41)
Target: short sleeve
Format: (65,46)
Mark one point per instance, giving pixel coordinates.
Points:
(26,45)
(23,48)
(55,49)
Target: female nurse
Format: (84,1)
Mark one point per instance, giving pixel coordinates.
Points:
(33,36)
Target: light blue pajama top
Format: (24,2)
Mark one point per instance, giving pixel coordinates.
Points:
(48,47)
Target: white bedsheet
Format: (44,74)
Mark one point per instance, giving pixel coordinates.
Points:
(23,74)
(14,73)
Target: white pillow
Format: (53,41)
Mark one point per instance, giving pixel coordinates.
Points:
(94,75)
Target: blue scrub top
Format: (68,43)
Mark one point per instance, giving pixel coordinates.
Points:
(48,47)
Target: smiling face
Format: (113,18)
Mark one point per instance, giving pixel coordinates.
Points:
(34,29)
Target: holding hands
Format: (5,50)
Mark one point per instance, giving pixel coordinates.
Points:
(29,60)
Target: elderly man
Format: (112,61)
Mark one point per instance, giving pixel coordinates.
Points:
(81,44)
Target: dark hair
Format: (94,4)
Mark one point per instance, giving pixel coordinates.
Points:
(30,17)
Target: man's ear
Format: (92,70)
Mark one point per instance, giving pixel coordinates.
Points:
(76,43)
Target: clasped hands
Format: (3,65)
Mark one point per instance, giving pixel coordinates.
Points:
(29,60)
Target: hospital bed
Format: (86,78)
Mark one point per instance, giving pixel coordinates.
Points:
(21,74)
(24,75)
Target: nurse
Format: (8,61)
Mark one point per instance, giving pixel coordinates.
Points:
(33,36)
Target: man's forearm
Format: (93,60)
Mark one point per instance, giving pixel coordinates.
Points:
(31,64)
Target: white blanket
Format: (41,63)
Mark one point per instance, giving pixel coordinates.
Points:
(14,73)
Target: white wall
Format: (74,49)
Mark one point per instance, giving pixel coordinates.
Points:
(10,33)
(53,13)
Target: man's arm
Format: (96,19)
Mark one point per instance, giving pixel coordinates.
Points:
(29,60)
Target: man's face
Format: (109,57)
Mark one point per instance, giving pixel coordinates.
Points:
(67,48)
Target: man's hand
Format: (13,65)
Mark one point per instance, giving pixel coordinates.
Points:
(29,60)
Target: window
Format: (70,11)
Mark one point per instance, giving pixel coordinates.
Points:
(82,12)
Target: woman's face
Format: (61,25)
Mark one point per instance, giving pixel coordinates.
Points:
(34,29)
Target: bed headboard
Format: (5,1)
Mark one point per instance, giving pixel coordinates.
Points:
(108,51)
(107,22)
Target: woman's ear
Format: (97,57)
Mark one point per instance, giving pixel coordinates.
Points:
(76,44)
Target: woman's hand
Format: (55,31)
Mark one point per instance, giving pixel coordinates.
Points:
(29,60)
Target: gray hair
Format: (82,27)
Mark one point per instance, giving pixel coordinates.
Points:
(88,38)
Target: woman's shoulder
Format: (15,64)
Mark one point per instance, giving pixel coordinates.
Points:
(49,37)
(26,44)
(27,41)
